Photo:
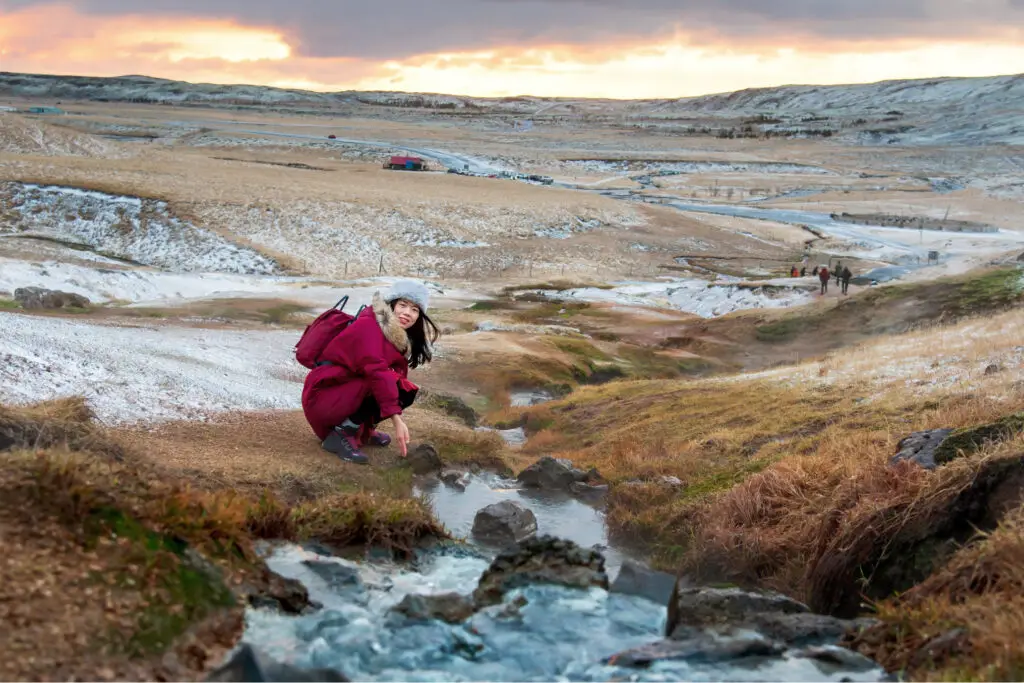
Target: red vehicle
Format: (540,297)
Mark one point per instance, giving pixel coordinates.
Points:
(406,164)
(332,137)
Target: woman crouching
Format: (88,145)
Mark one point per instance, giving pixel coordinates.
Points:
(361,378)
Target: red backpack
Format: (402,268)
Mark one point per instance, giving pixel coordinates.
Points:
(320,332)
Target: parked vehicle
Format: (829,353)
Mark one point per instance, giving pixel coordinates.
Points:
(397,163)
(332,137)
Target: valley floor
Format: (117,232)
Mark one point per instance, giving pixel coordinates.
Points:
(745,426)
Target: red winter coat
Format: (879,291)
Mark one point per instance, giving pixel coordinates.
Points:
(824,275)
(367,358)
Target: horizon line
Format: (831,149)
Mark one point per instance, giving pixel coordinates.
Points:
(506,97)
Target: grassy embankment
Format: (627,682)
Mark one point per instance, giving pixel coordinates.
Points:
(787,481)
(131,554)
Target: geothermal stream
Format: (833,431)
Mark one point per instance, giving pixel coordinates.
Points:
(539,632)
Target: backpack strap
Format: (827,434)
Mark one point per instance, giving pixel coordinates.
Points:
(342,303)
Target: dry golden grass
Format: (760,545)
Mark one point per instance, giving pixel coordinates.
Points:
(66,422)
(788,484)
(909,360)
(713,434)
(277,451)
(964,622)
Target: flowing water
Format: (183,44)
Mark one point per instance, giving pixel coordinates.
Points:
(557,634)
(557,514)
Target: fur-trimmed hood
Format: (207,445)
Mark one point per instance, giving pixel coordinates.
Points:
(390,326)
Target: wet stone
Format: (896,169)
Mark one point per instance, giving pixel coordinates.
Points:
(697,607)
(799,628)
(588,491)
(504,523)
(637,579)
(555,474)
(455,479)
(837,658)
(545,560)
(701,647)
(424,460)
(250,665)
(337,576)
(448,607)
(285,595)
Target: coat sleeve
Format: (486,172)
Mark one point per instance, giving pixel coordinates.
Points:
(367,349)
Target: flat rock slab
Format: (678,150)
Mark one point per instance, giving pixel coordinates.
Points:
(920,447)
(702,647)
(696,607)
(637,579)
(936,447)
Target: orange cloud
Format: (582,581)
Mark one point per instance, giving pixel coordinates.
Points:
(57,39)
(57,34)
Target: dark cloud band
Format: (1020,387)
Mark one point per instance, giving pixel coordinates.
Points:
(394,29)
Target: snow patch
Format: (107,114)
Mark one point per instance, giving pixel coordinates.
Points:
(147,373)
(690,295)
(141,230)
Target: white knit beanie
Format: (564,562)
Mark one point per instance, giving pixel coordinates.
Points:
(410,290)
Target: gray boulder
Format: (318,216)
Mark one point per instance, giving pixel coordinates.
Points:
(920,447)
(337,576)
(588,491)
(280,593)
(456,479)
(424,460)
(800,629)
(637,579)
(448,607)
(555,474)
(541,560)
(39,298)
(248,665)
(504,523)
(696,607)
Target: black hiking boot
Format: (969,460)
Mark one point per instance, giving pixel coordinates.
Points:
(344,446)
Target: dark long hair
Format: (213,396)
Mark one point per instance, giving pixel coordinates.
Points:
(422,336)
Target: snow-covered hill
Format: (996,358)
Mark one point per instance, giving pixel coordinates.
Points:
(924,111)
(934,111)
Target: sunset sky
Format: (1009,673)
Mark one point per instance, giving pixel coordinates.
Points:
(597,48)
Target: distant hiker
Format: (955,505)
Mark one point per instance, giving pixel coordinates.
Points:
(815,271)
(793,271)
(844,277)
(824,276)
(361,377)
(803,272)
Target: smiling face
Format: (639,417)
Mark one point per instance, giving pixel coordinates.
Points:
(407,313)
